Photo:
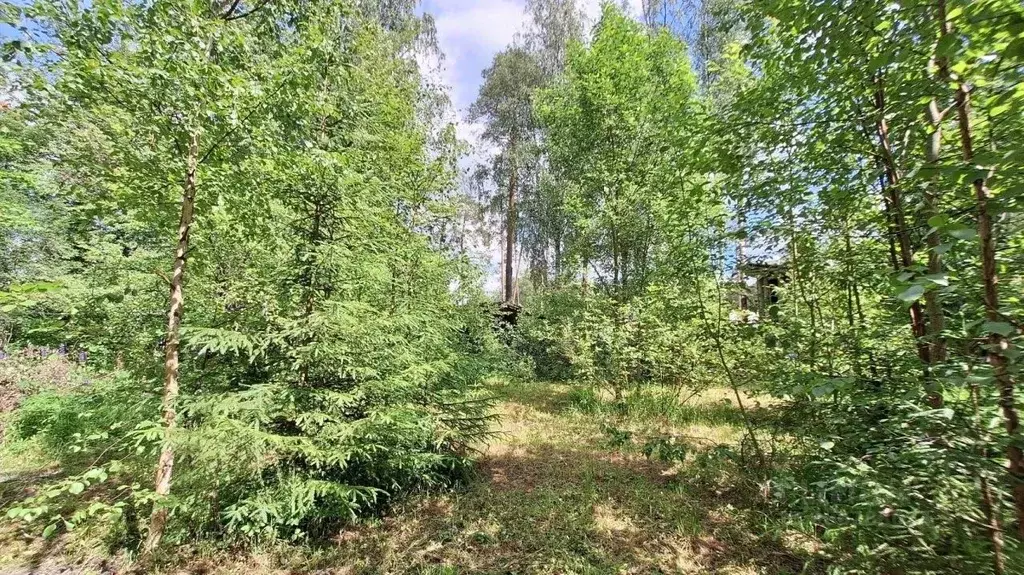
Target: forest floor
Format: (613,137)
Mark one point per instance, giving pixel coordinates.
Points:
(554,494)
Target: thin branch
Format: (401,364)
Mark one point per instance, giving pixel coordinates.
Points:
(162,276)
(231,10)
(224,136)
(244,14)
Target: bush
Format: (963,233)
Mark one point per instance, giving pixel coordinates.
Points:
(597,339)
(267,458)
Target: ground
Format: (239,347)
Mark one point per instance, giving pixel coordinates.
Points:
(560,489)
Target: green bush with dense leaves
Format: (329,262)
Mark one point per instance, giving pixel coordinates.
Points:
(332,349)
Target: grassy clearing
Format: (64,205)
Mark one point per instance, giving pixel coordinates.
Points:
(553,495)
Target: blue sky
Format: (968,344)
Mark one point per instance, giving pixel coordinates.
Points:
(471,32)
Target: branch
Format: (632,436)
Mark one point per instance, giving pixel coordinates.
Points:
(244,14)
(231,10)
(162,276)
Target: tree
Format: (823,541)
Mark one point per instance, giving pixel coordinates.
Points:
(180,115)
(326,342)
(613,128)
(505,103)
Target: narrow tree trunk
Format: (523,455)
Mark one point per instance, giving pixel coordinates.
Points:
(988,507)
(998,344)
(308,278)
(510,220)
(995,533)
(899,222)
(890,229)
(893,176)
(558,258)
(741,257)
(624,273)
(583,279)
(615,257)
(741,245)
(515,286)
(165,466)
(851,287)
(936,320)
(716,334)
(861,322)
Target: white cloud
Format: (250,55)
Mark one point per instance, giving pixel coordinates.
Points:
(470,33)
(489,25)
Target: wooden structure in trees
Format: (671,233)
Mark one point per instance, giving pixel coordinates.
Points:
(755,299)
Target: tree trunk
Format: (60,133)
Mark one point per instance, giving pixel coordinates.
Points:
(988,506)
(995,533)
(624,273)
(165,466)
(936,321)
(890,229)
(899,222)
(741,248)
(510,220)
(615,257)
(998,344)
(851,288)
(558,258)
(307,280)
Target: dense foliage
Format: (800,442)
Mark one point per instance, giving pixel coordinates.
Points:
(813,201)
(830,218)
(327,322)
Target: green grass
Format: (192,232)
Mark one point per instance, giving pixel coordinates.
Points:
(552,495)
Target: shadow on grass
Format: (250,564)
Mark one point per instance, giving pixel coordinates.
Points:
(29,553)
(549,398)
(551,497)
(545,509)
(16,486)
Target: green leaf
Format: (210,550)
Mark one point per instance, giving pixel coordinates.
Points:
(76,488)
(822,390)
(48,532)
(880,61)
(1002,328)
(964,233)
(947,45)
(912,294)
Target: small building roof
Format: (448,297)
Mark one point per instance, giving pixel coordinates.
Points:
(761,269)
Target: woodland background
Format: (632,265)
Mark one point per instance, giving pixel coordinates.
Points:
(237,250)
